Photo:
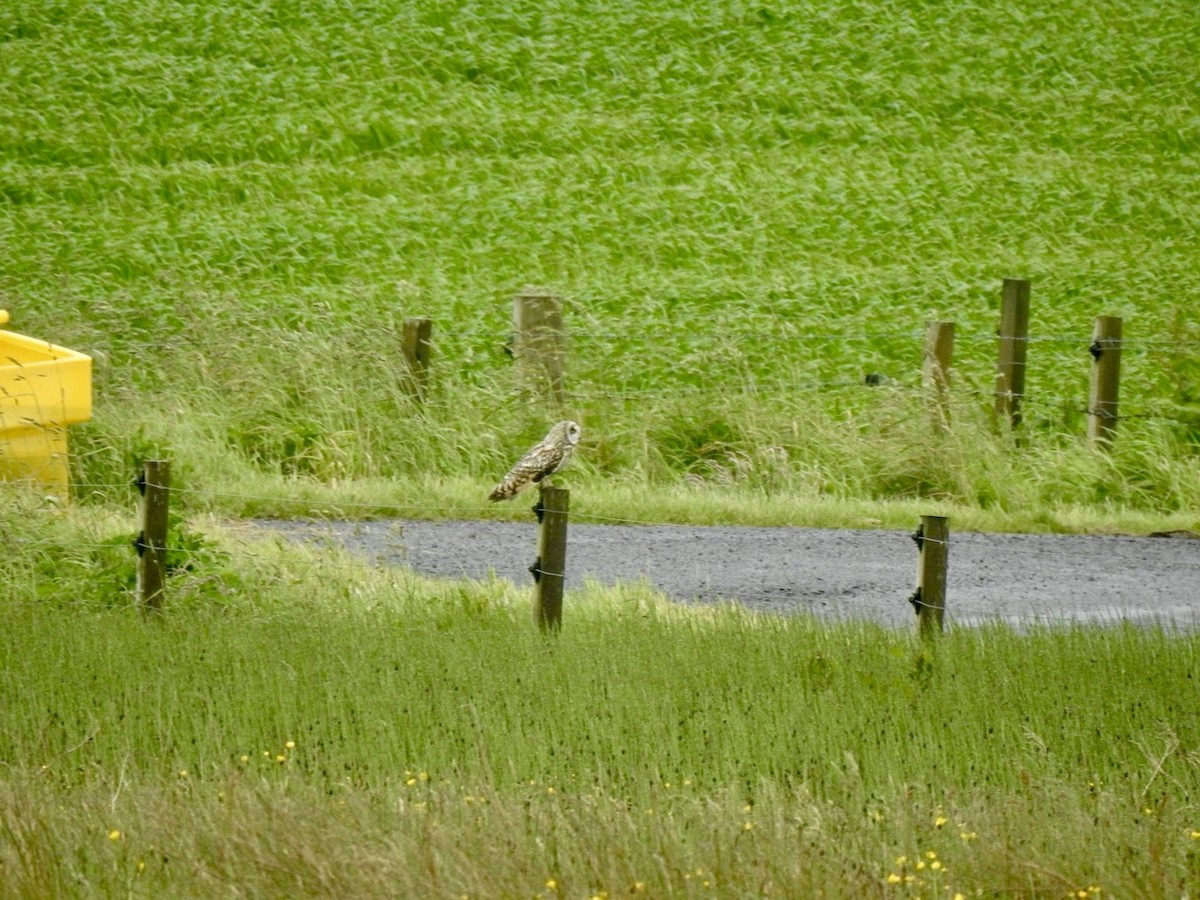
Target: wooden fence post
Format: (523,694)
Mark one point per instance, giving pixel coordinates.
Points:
(417,345)
(929,599)
(550,567)
(151,544)
(1014,342)
(538,339)
(1106,380)
(939,353)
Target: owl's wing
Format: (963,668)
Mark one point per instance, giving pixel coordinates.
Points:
(529,470)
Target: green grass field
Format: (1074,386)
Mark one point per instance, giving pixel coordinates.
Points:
(746,209)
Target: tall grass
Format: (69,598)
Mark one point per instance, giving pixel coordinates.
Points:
(298,721)
(746,209)
(622,702)
(877,460)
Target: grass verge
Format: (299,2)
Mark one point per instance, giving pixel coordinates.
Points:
(297,720)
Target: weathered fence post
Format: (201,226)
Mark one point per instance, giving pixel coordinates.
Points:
(1106,380)
(939,353)
(538,340)
(929,599)
(417,345)
(151,544)
(1014,342)
(550,567)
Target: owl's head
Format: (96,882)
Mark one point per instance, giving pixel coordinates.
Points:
(570,431)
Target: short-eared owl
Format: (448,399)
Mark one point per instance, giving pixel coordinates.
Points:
(541,462)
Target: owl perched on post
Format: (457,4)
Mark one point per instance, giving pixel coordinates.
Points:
(541,462)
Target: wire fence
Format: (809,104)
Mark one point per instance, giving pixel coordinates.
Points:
(615,373)
(744,356)
(899,349)
(746,327)
(801,570)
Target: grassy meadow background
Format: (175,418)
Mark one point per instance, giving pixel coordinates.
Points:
(746,208)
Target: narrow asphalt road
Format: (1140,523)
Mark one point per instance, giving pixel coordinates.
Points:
(831,573)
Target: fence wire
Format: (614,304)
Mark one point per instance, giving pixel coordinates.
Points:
(402,514)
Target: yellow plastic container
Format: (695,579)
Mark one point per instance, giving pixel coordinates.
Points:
(43,389)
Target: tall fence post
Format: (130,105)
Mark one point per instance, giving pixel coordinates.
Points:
(929,599)
(1106,380)
(151,544)
(416,342)
(939,354)
(550,567)
(538,341)
(1014,342)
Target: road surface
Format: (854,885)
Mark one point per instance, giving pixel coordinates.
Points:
(1017,578)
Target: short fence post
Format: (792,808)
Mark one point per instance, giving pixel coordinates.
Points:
(1014,342)
(939,353)
(417,345)
(538,339)
(550,567)
(929,599)
(151,544)
(1106,380)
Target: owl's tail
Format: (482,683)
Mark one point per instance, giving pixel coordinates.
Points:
(514,482)
(505,490)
